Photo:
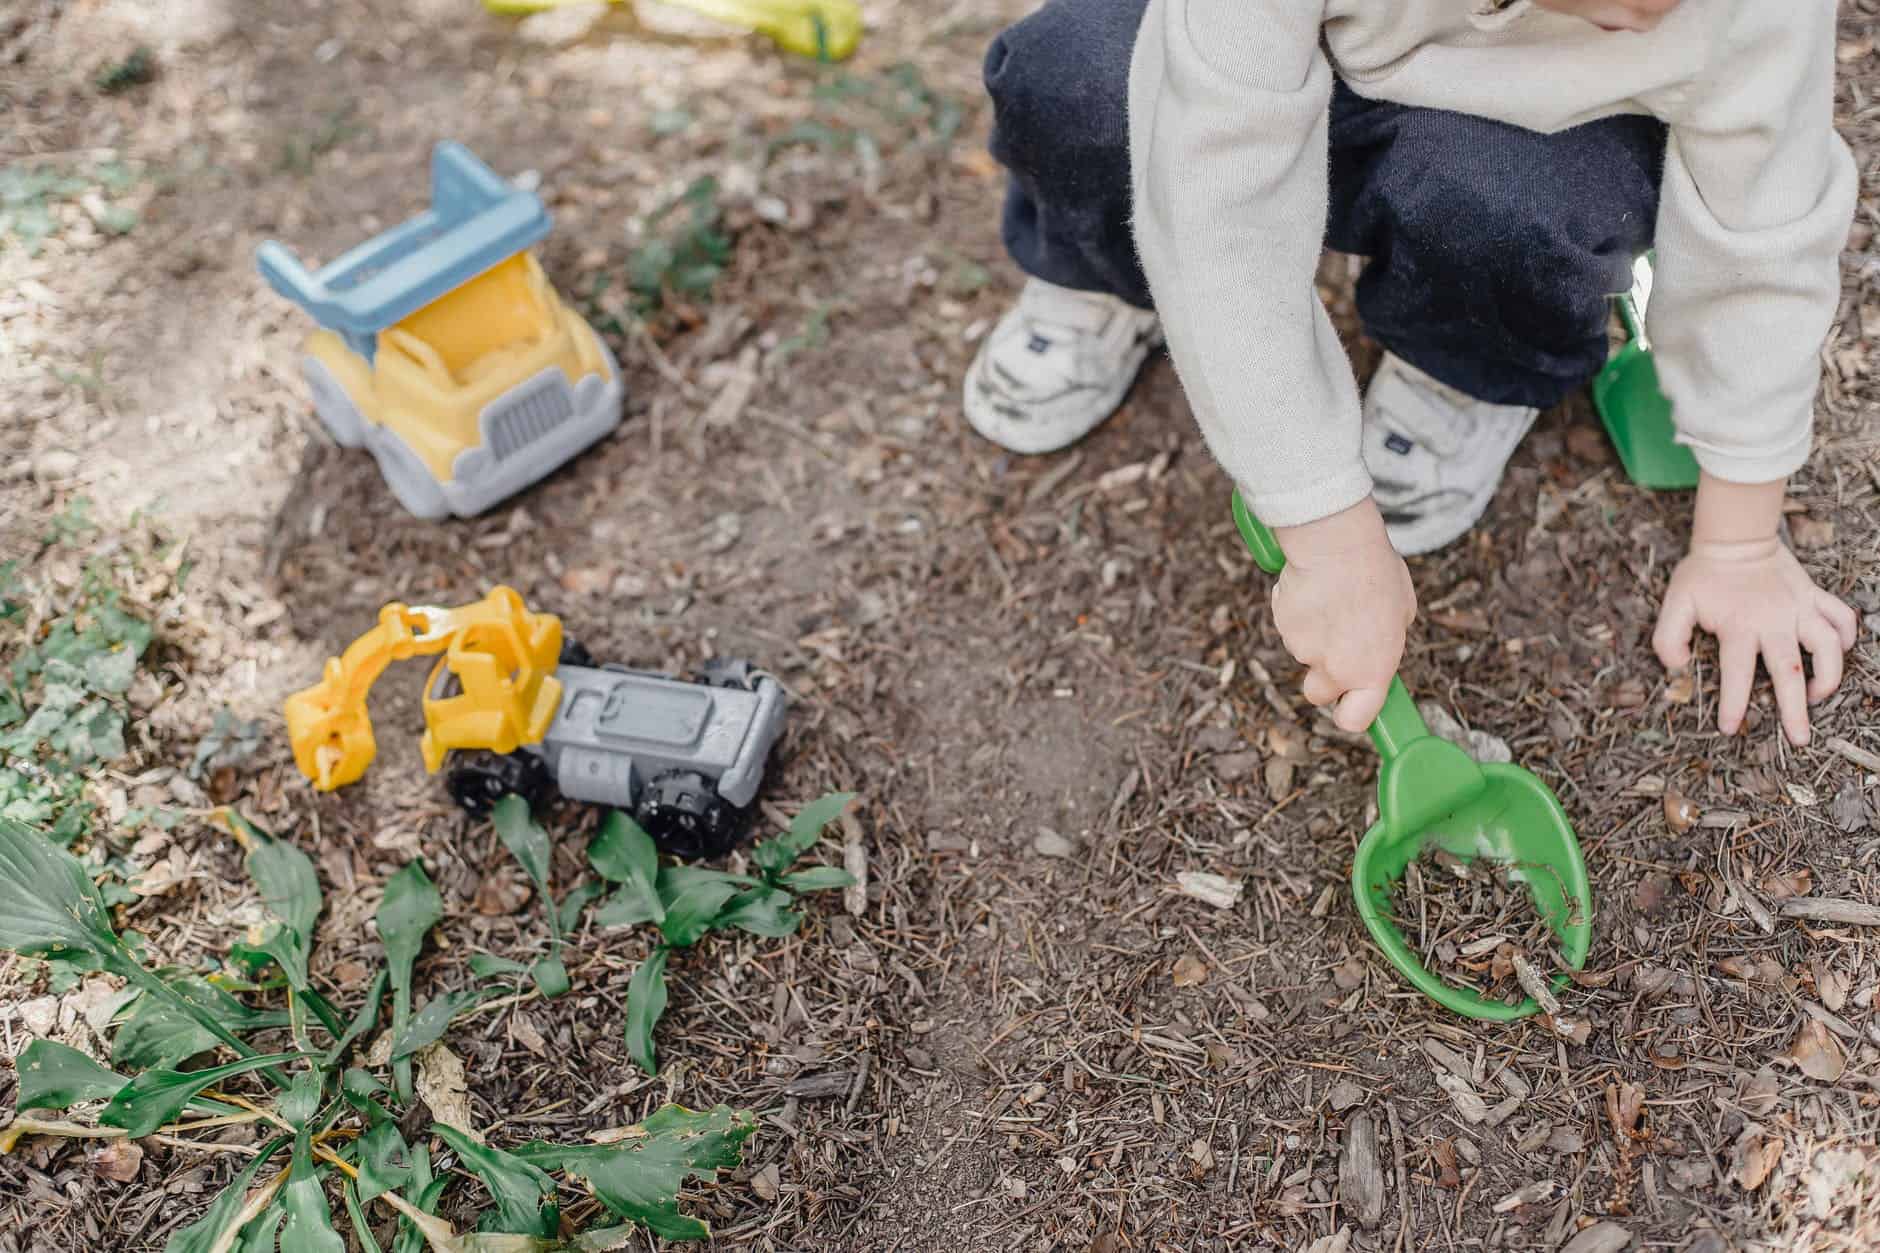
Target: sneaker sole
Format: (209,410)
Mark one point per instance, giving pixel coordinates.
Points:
(1031,438)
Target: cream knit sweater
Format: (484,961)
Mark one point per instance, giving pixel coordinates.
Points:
(1228,151)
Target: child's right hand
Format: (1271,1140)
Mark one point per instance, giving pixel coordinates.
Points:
(1342,606)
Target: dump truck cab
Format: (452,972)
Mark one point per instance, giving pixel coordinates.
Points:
(445,351)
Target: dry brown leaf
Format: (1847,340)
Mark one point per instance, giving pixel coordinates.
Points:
(1681,688)
(1756,1156)
(1625,1108)
(1650,893)
(1830,985)
(118,1160)
(765,1183)
(1350,973)
(443,1087)
(1628,693)
(524,1031)
(1681,812)
(1782,886)
(1588,443)
(1810,532)
(1278,776)
(1189,971)
(1816,1053)
(1444,1155)
(502,892)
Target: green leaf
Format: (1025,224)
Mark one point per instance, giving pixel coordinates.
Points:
(640,1178)
(157,1097)
(110,673)
(490,966)
(309,1221)
(551,977)
(261,1233)
(424,1194)
(363,1022)
(205,1234)
(428,1025)
(774,856)
(57,1076)
(361,1225)
(625,853)
(302,1101)
(646,1002)
(760,911)
(524,838)
(584,894)
(689,914)
(384,1161)
(524,1194)
(818,879)
(410,908)
(627,908)
(50,908)
(161,1034)
(291,891)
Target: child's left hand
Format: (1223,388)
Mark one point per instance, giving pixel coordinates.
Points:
(1754,596)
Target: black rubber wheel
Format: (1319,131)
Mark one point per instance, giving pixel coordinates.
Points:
(729,672)
(687,818)
(477,780)
(574,653)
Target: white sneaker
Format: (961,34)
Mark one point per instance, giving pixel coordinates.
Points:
(1435,455)
(1057,364)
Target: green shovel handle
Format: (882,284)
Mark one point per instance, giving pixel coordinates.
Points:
(1398,722)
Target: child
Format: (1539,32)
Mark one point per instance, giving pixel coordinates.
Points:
(1501,163)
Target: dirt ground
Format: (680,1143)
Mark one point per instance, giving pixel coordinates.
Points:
(1053,681)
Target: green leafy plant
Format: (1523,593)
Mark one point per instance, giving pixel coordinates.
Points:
(62,706)
(685,259)
(30,194)
(338,1124)
(686,902)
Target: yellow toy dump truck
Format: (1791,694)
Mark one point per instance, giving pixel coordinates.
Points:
(446,353)
(512,705)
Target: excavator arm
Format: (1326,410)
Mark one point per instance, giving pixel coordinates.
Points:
(494,687)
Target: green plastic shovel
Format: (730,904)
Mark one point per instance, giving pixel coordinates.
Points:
(1431,793)
(1634,408)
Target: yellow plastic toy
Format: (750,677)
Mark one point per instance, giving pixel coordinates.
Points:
(827,30)
(515,705)
(501,656)
(446,352)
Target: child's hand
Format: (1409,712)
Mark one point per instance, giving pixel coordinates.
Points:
(1342,605)
(1754,596)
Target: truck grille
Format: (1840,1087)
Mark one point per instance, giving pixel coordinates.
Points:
(520,420)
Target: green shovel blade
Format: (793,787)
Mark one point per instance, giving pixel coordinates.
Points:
(1430,794)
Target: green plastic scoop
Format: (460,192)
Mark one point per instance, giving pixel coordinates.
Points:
(1634,408)
(1431,793)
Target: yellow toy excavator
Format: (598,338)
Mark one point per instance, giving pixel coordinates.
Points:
(501,656)
(513,705)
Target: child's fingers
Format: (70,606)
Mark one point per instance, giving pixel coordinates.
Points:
(1321,688)
(1846,622)
(1783,659)
(1359,708)
(1736,657)
(1672,638)
(1823,643)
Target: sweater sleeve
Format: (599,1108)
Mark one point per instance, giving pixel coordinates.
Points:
(1759,191)
(1228,157)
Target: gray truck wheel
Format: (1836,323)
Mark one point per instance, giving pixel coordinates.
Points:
(409,481)
(687,818)
(729,672)
(477,780)
(332,405)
